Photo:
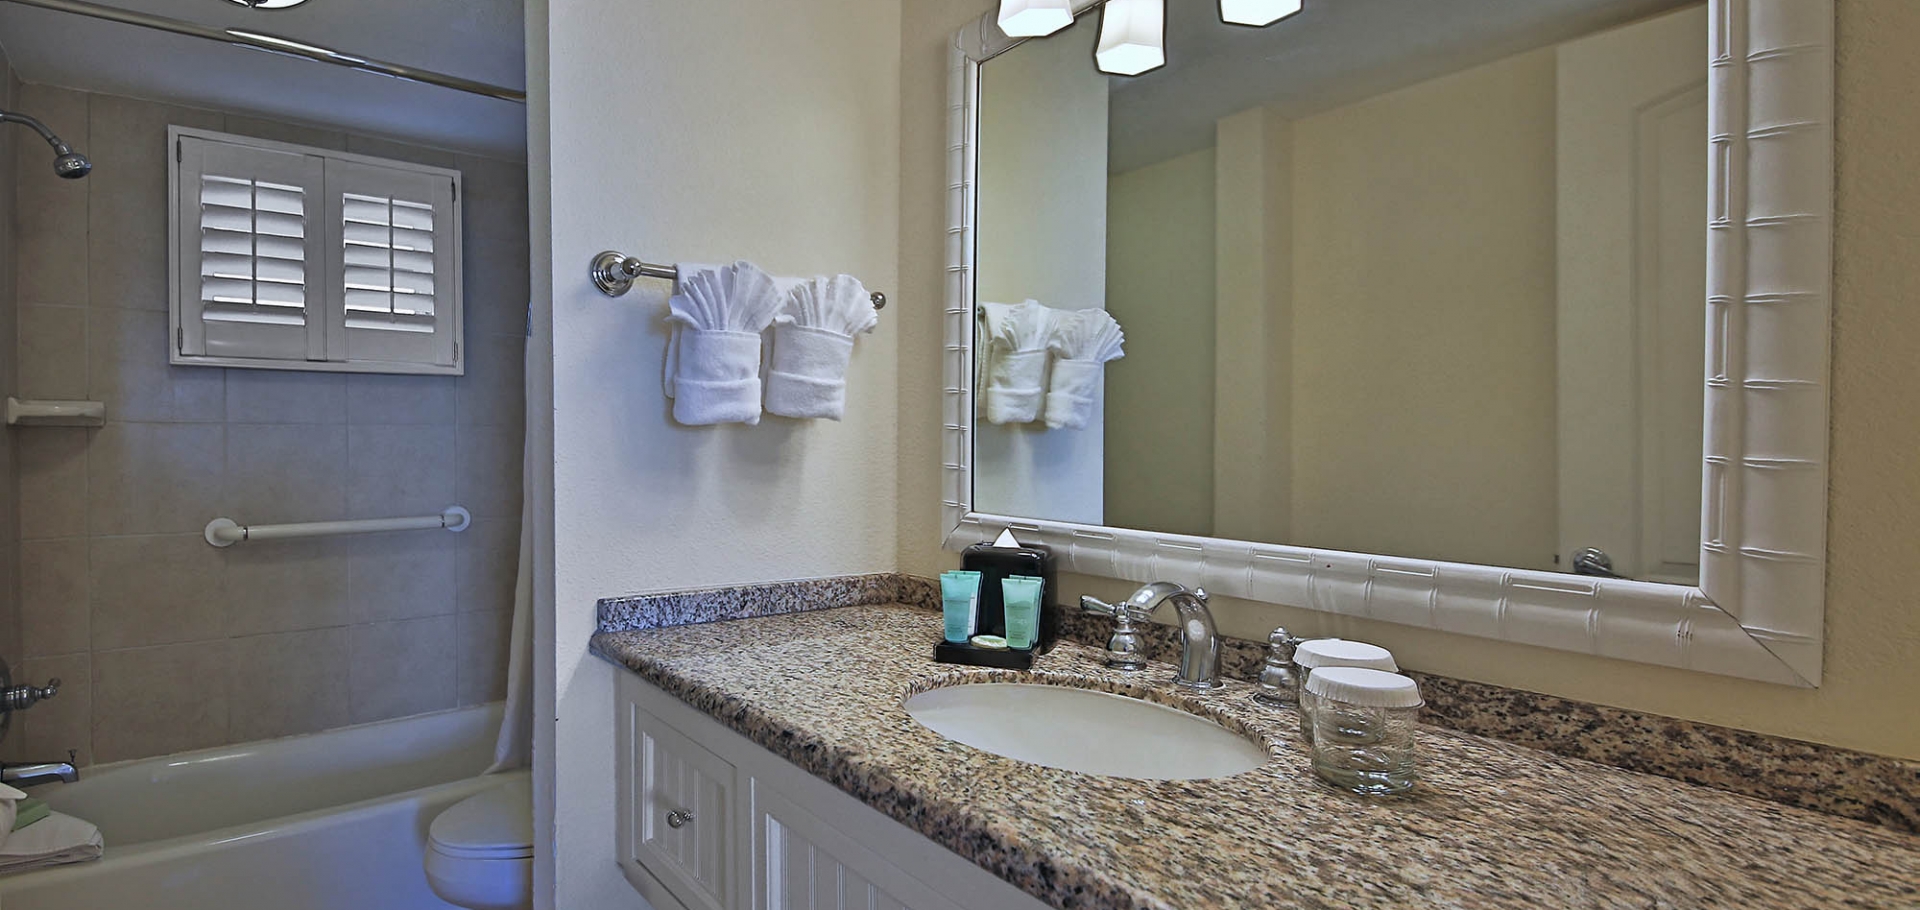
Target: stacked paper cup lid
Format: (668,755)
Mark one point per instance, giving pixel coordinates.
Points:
(1335,652)
(1364,687)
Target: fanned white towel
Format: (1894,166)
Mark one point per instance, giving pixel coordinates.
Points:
(713,359)
(1083,341)
(1013,360)
(813,345)
(51,841)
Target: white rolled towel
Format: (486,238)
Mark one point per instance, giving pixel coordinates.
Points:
(1084,341)
(713,358)
(813,346)
(1013,360)
(55,840)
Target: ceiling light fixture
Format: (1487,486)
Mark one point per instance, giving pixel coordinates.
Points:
(1133,37)
(1257,12)
(1033,18)
(268,4)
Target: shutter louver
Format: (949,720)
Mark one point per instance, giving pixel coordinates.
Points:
(253,264)
(389,275)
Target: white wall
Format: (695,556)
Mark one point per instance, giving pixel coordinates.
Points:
(1049,145)
(700,132)
(1160,398)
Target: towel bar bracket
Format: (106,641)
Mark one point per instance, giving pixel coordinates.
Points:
(614,272)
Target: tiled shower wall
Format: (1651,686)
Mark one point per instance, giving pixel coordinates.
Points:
(164,642)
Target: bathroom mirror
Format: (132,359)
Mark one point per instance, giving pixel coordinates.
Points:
(1419,304)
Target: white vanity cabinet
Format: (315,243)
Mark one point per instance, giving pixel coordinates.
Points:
(711,821)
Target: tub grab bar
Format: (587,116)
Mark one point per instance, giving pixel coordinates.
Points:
(225,532)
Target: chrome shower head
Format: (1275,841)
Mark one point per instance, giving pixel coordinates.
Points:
(66,162)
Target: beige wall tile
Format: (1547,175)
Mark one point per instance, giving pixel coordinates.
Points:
(53,482)
(286,472)
(402,668)
(53,352)
(398,151)
(491,392)
(155,701)
(489,479)
(53,597)
(127,368)
(50,213)
(318,137)
(127,208)
(402,576)
(489,565)
(154,478)
(398,470)
(288,683)
(286,396)
(482,653)
(380,399)
(156,590)
(287,586)
(64,721)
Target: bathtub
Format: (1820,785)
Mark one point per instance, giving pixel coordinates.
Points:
(329,821)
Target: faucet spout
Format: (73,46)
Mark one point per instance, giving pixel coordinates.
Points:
(28,774)
(1199,643)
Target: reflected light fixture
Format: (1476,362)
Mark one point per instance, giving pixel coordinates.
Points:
(268,4)
(1257,12)
(1133,37)
(1023,18)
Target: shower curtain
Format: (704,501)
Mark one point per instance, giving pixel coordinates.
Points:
(514,747)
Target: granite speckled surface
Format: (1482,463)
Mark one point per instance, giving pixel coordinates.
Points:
(1493,825)
(1858,785)
(679,608)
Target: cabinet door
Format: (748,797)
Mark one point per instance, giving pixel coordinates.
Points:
(676,802)
(801,863)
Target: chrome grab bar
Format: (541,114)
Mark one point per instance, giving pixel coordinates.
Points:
(225,532)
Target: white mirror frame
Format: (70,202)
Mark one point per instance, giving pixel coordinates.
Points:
(1758,612)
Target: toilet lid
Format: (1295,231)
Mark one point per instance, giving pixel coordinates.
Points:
(495,824)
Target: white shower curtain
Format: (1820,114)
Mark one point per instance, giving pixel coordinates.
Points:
(514,748)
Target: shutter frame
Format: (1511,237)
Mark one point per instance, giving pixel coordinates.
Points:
(433,349)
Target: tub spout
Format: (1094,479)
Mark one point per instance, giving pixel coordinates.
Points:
(26,774)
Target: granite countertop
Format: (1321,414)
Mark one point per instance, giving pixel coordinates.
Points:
(1492,825)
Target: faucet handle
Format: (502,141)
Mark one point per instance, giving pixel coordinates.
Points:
(1092,604)
(1125,651)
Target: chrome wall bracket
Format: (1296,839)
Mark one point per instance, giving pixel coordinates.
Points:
(613,272)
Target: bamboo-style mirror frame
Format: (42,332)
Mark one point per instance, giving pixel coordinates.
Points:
(1759,609)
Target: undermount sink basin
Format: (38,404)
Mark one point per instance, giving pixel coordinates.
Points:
(1085,731)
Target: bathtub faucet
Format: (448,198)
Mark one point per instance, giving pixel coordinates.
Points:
(26,774)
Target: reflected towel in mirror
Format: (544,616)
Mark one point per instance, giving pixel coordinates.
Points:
(1084,341)
(1013,360)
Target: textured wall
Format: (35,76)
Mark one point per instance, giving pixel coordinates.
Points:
(745,129)
(1872,616)
(164,642)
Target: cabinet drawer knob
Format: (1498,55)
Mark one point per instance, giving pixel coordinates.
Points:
(679,818)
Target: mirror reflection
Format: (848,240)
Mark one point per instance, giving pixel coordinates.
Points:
(1424,280)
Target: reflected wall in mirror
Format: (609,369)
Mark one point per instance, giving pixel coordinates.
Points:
(1422,280)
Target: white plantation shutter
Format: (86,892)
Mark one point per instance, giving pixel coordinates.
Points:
(296,258)
(395,252)
(253,253)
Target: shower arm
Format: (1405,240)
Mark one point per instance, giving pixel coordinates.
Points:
(60,147)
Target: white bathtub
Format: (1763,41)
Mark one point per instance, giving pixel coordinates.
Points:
(330,821)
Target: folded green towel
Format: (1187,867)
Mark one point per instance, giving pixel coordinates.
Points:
(29,810)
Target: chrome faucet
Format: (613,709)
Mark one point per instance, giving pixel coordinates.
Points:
(1199,643)
(26,774)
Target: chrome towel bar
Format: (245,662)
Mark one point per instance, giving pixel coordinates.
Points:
(613,273)
(225,532)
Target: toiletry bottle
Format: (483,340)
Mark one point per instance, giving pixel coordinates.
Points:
(960,604)
(1020,598)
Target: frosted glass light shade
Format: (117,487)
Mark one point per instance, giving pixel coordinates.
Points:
(1257,12)
(1133,37)
(1034,18)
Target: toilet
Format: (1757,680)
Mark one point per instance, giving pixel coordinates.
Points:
(480,850)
